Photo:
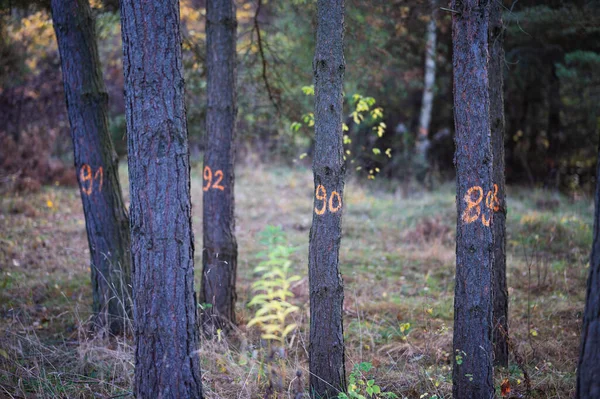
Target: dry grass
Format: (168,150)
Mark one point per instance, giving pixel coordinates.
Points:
(397,259)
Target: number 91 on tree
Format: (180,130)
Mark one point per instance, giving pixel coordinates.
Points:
(324,202)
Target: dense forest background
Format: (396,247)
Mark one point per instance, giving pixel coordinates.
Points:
(552,88)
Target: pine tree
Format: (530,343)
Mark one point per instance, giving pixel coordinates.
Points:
(472,374)
(96,163)
(326,353)
(162,245)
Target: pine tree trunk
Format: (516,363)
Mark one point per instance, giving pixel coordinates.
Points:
(162,245)
(326,353)
(423,141)
(588,368)
(96,163)
(219,255)
(472,374)
(496,81)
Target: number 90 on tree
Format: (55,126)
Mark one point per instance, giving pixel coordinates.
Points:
(324,202)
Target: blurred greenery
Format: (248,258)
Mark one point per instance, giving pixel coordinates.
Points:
(552,88)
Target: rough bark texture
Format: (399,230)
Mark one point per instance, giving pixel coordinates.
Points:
(162,243)
(96,163)
(472,374)
(423,141)
(588,368)
(496,81)
(326,353)
(219,255)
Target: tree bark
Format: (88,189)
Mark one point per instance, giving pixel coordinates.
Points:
(326,352)
(96,163)
(588,368)
(423,141)
(219,255)
(472,374)
(496,82)
(162,245)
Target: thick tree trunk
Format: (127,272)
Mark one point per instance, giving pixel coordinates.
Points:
(219,255)
(472,374)
(423,141)
(588,368)
(162,242)
(326,352)
(96,163)
(496,82)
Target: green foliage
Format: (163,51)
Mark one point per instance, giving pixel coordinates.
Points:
(364,114)
(272,288)
(359,387)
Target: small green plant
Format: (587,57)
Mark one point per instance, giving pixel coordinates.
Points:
(272,289)
(359,387)
(364,113)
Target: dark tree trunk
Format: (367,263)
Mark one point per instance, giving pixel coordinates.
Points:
(162,242)
(219,255)
(472,374)
(96,163)
(588,368)
(326,353)
(496,82)
(554,127)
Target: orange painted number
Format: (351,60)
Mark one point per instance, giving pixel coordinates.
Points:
(473,210)
(86,179)
(217,185)
(321,195)
(334,204)
(339,202)
(207,174)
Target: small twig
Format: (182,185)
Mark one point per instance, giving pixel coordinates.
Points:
(120,395)
(262,57)
(450,10)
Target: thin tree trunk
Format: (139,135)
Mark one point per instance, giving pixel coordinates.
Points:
(554,128)
(496,82)
(96,163)
(588,368)
(472,373)
(219,255)
(162,245)
(326,353)
(423,141)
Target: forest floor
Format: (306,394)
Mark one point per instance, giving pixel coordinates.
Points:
(397,260)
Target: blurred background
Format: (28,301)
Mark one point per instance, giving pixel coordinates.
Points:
(552,88)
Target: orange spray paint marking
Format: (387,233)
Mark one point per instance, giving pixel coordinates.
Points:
(468,216)
(339,202)
(100,173)
(207,174)
(321,196)
(86,179)
(85,176)
(473,211)
(219,175)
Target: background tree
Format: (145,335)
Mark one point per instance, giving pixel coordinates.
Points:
(162,246)
(96,162)
(496,90)
(423,141)
(219,254)
(472,374)
(588,368)
(326,353)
